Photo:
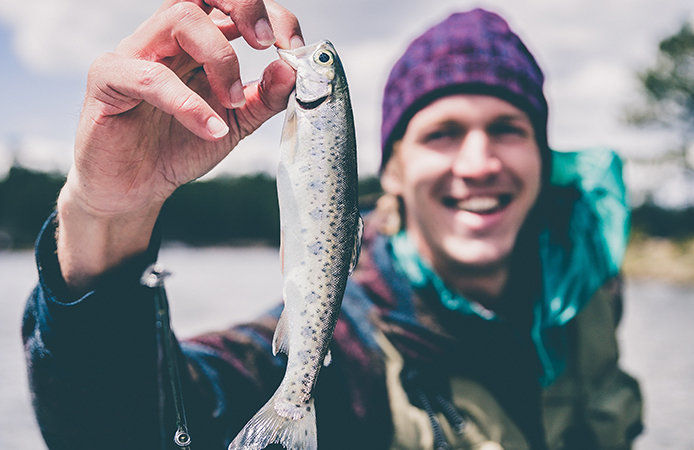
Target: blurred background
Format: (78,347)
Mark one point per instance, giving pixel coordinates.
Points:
(620,74)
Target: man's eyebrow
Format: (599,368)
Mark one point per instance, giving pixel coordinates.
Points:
(443,123)
(448,123)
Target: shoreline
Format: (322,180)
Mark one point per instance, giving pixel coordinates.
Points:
(654,258)
(646,258)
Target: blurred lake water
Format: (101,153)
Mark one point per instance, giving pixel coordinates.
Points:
(214,287)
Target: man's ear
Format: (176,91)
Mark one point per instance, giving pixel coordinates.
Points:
(392,175)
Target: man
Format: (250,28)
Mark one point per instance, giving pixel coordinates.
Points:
(485,320)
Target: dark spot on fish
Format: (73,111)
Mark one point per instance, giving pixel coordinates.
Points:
(316,248)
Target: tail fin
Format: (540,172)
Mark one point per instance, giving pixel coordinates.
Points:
(293,427)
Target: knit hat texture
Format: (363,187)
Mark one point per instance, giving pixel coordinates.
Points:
(471,52)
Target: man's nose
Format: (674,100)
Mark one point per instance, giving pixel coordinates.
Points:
(475,158)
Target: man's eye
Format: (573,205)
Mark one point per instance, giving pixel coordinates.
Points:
(504,129)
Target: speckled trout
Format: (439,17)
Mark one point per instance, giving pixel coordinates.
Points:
(321,235)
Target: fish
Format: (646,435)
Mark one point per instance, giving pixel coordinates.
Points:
(321,231)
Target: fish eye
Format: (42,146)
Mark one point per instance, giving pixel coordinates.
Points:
(323,57)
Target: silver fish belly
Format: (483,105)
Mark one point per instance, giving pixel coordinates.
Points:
(321,234)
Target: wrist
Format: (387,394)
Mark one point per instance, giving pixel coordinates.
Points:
(90,240)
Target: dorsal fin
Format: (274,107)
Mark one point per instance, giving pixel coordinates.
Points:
(357,244)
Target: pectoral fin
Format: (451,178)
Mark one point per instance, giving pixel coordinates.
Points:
(288,141)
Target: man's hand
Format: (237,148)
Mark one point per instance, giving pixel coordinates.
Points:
(162,110)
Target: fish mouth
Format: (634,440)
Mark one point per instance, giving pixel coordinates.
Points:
(313,104)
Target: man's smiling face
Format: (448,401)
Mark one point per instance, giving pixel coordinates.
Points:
(468,169)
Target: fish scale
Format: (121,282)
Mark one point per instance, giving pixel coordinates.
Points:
(321,234)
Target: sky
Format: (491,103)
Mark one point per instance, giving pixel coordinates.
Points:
(588,49)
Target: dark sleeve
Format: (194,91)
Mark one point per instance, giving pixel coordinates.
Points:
(93,364)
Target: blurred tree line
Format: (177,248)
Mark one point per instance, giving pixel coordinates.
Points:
(220,211)
(231,210)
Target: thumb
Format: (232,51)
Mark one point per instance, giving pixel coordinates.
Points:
(266,98)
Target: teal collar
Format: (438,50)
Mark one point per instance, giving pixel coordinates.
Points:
(420,274)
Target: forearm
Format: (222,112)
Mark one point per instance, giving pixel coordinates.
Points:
(90,242)
(92,357)
(94,369)
(94,366)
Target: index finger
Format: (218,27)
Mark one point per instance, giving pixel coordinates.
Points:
(250,19)
(284,24)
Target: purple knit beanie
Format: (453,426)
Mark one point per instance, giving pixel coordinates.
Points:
(472,52)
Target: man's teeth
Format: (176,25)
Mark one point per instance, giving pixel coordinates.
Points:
(479,204)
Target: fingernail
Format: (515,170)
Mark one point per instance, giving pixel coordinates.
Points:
(296,42)
(222,21)
(236,95)
(263,32)
(217,127)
